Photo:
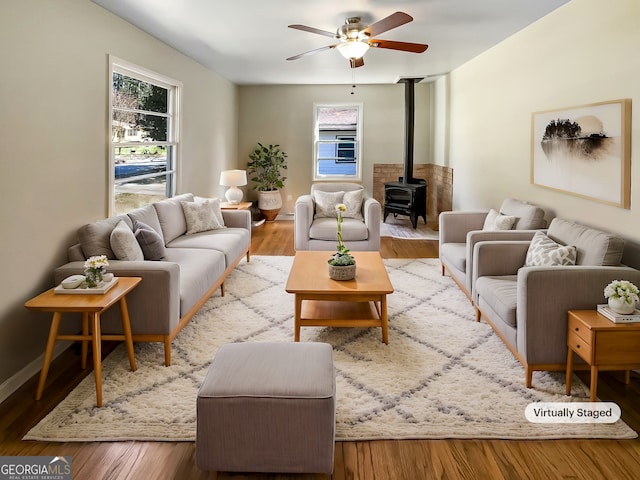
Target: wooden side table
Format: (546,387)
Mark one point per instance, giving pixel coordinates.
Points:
(603,344)
(91,306)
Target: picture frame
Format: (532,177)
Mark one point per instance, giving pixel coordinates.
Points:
(584,151)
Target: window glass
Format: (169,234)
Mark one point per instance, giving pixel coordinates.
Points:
(337,138)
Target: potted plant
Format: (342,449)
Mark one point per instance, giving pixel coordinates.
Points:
(266,162)
(342,265)
(622,296)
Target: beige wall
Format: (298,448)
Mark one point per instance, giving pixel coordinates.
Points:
(53,144)
(580,54)
(284,115)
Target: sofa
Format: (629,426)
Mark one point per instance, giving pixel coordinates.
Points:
(183,248)
(525,288)
(461,230)
(315,226)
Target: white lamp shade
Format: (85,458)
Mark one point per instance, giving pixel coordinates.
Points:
(353,49)
(233,178)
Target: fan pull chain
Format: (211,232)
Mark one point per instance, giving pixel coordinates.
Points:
(353,80)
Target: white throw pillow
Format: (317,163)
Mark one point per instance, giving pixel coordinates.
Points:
(200,217)
(353,201)
(326,203)
(544,252)
(215,205)
(124,243)
(498,221)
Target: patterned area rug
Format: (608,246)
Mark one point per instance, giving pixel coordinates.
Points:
(401,227)
(442,375)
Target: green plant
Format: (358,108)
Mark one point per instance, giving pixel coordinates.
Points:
(266,162)
(342,257)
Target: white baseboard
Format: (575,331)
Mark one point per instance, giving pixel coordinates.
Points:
(13,383)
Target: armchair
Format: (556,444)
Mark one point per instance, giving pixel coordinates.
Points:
(527,305)
(315,218)
(460,231)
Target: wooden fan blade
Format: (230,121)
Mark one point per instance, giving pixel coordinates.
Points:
(304,28)
(356,62)
(403,46)
(392,21)
(311,52)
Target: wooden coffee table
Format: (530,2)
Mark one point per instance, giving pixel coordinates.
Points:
(323,302)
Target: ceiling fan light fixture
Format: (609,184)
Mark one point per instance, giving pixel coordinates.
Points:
(353,49)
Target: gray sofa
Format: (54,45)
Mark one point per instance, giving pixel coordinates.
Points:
(193,266)
(461,230)
(527,305)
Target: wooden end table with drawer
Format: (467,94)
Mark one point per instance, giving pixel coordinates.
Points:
(603,344)
(90,306)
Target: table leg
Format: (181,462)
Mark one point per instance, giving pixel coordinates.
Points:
(384,320)
(569,370)
(126,328)
(85,342)
(594,383)
(296,318)
(97,356)
(48,353)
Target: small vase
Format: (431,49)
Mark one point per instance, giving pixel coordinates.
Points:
(618,305)
(342,272)
(93,278)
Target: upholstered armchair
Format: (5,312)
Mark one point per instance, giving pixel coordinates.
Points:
(461,230)
(315,224)
(525,288)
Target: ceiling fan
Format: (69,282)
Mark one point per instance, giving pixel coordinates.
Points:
(355,38)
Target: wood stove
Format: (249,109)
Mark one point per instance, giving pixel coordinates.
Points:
(407,196)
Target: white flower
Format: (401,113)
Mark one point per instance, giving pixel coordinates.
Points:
(97,262)
(341,207)
(622,289)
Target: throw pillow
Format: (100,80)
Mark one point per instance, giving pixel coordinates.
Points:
(544,252)
(326,203)
(215,206)
(353,201)
(150,241)
(124,243)
(200,217)
(497,221)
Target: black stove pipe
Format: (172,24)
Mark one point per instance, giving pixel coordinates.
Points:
(409,121)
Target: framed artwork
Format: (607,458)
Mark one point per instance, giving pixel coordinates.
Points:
(584,151)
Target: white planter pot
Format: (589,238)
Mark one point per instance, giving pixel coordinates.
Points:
(618,305)
(269,203)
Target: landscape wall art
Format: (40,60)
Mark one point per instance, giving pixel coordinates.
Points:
(585,151)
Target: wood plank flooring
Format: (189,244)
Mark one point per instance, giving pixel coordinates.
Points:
(367,460)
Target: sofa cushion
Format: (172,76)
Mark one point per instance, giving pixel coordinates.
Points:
(95,238)
(200,217)
(215,205)
(528,217)
(501,293)
(544,252)
(150,241)
(498,221)
(146,215)
(593,247)
(326,203)
(327,229)
(171,216)
(232,242)
(124,243)
(353,201)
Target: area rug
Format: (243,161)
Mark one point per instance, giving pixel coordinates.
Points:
(442,375)
(401,227)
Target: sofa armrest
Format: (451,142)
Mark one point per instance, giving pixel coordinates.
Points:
(454,226)
(237,218)
(477,236)
(498,258)
(546,294)
(303,217)
(372,213)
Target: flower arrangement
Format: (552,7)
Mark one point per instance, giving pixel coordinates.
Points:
(622,289)
(342,257)
(94,269)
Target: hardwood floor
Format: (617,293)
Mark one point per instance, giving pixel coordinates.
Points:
(366,460)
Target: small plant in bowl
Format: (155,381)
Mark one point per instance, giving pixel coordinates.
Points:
(342,258)
(622,296)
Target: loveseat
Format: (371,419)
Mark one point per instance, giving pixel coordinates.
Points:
(525,288)
(461,230)
(183,248)
(315,226)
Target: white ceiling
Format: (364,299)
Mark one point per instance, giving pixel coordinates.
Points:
(247,41)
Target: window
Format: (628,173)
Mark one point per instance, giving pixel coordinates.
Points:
(337,142)
(144,118)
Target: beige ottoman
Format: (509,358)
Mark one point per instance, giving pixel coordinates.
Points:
(268,407)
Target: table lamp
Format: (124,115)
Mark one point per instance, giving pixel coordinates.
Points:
(233,179)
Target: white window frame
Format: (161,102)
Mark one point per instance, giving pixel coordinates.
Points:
(174,114)
(358,145)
